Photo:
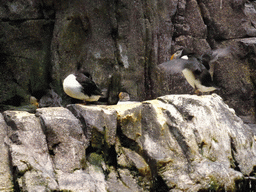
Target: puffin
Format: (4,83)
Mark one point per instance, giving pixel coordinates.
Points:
(194,68)
(79,85)
(124,96)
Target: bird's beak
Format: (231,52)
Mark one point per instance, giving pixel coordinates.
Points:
(172,57)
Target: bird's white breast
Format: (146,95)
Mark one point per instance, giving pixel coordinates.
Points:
(73,88)
(190,77)
(195,83)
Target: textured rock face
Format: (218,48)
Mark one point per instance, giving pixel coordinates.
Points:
(42,41)
(173,143)
(30,159)
(6,177)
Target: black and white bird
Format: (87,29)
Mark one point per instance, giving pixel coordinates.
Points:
(79,85)
(194,68)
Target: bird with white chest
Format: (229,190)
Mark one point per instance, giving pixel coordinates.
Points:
(194,68)
(79,85)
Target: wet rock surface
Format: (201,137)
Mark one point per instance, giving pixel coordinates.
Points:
(172,143)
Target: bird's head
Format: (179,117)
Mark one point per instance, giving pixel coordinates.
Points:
(85,72)
(177,54)
(82,69)
(124,96)
(33,101)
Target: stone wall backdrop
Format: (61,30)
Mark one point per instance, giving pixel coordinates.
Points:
(41,42)
(173,143)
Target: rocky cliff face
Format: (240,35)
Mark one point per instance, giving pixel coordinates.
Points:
(41,42)
(173,143)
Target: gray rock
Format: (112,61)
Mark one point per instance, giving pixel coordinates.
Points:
(230,22)
(125,183)
(237,92)
(91,180)
(26,59)
(18,10)
(65,138)
(158,145)
(173,143)
(50,99)
(189,20)
(194,133)
(33,167)
(101,123)
(192,137)
(250,12)
(215,142)
(6,177)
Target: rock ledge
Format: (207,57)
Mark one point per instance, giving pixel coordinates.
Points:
(172,143)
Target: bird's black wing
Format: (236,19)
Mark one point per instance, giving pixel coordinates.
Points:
(89,86)
(206,79)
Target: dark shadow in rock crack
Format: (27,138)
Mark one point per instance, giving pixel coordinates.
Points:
(181,141)
(87,128)
(158,184)
(15,172)
(235,164)
(185,114)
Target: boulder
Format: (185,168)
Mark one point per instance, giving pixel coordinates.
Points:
(6,176)
(172,143)
(31,165)
(65,137)
(68,140)
(100,124)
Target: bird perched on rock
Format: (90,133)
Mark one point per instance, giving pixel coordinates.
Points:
(79,85)
(124,96)
(195,69)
